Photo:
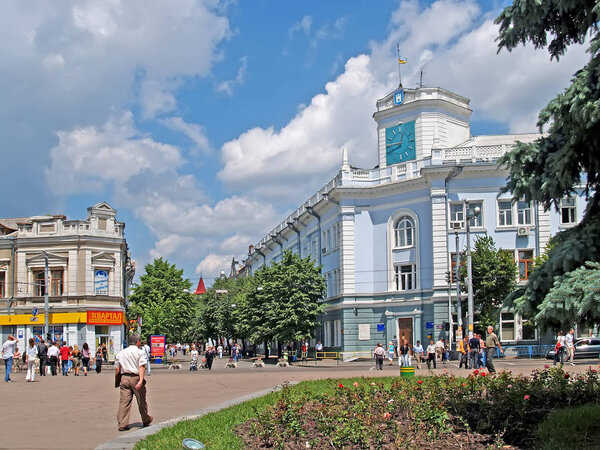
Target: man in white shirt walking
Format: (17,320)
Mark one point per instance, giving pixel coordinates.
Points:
(569,341)
(8,350)
(130,363)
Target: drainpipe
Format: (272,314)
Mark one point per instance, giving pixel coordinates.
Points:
(293,227)
(310,210)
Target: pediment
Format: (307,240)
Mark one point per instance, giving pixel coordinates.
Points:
(103,259)
(53,259)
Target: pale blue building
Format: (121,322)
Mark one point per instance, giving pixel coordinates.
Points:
(386,237)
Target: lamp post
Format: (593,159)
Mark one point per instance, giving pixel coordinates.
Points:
(471,214)
(45,295)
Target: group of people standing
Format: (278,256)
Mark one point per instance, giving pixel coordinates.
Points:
(476,353)
(54,355)
(565,347)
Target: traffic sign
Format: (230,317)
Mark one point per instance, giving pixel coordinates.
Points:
(34,312)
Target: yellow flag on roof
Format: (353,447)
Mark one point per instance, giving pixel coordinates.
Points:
(401,61)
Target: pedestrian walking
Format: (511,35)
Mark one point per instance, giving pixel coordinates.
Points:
(99,359)
(76,358)
(431,355)
(210,355)
(491,342)
(220,351)
(54,355)
(194,358)
(404,353)
(65,352)
(418,353)
(104,353)
(379,354)
(463,348)
(391,353)
(146,348)
(482,352)
(30,353)
(8,352)
(395,343)
(43,357)
(18,360)
(439,349)
(559,349)
(474,347)
(130,367)
(569,341)
(85,358)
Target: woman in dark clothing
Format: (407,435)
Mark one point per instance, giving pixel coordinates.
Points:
(209,355)
(99,360)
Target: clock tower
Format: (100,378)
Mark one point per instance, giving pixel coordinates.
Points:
(409,120)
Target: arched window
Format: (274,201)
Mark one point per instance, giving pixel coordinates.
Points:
(405,232)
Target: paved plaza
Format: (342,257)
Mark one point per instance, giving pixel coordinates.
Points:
(80,412)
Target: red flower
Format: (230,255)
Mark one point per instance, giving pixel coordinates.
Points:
(527,397)
(464,384)
(476,372)
(387,416)
(546,366)
(566,375)
(340,385)
(483,374)
(420,382)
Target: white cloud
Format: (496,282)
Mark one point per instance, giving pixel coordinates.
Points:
(302,25)
(194,132)
(454,41)
(213,264)
(229,85)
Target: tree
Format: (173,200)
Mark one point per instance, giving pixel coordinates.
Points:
(286,301)
(567,156)
(494,277)
(575,298)
(163,301)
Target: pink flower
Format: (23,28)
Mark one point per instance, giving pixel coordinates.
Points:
(509,386)
(527,397)
(420,382)
(546,366)
(387,416)
(340,385)
(355,384)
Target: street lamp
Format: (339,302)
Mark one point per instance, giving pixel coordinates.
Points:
(471,214)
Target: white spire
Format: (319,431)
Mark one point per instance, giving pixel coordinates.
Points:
(345,164)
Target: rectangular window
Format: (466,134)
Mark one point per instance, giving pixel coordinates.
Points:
(2,284)
(56,280)
(40,284)
(523,213)
(327,333)
(568,211)
(406,277)
(505,213)
(336,235)
(337,333)
(476,220)
(457,215)
(525,264)
(507,326)
(528,329)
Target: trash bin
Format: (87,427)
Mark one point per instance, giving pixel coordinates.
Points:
(158,360)
(407,372)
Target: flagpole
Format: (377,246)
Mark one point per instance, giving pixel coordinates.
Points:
(399,65)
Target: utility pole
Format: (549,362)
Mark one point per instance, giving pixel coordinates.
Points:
(469,215)
(459,315)
(45,295)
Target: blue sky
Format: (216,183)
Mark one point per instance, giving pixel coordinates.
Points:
(204,122)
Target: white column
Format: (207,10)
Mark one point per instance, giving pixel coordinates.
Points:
(89,274)
(22,285)
(72,273)
(439,229)
(347,254)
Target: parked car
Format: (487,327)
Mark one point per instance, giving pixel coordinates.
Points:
(584,348)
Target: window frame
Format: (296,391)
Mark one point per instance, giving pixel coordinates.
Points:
(2,283)
(454,215)
(504,212)
(523,212)
(572,211)
(405,231)
(512,321)
(405,278)
(528,263)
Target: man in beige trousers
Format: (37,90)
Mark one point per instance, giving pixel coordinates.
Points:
(130,363)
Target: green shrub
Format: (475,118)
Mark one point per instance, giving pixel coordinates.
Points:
(577,428)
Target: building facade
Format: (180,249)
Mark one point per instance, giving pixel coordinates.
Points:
(89,275)
(386,237)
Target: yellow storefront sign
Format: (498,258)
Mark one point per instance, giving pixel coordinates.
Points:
(54,318)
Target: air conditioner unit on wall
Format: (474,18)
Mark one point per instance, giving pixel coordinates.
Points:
(523,231)
(456,225)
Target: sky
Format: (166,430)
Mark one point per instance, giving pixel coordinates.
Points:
(205,122)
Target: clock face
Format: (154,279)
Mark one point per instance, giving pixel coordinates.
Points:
(400,143)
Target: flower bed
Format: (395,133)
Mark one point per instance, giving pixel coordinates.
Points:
(429,412)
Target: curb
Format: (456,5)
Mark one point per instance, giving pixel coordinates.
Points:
(128,441)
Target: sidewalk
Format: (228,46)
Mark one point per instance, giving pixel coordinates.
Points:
(88,405)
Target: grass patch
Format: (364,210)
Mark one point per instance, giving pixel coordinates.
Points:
(570,428)
(216,430)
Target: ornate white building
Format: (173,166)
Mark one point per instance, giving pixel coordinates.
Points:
(387,236)
(90,271)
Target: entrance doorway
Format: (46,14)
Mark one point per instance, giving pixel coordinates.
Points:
(102,339)
(405,330)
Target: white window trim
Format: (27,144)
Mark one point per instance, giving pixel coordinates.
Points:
(397,230)
(398,277)
(568,224)
(463,222)
(514,322)
(391,249)
(512,212)
(531,214)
